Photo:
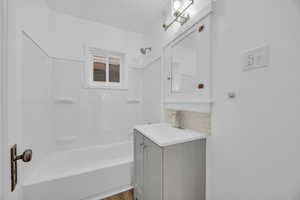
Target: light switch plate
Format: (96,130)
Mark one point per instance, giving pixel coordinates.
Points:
(256,58)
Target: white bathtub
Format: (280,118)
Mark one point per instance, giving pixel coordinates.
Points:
(82,174)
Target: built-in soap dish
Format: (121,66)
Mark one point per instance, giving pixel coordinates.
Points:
(65,140)
(133,101)
(65,100)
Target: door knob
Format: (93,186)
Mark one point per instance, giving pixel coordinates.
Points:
(26,156)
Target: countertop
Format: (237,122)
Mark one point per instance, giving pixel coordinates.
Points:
(166,135)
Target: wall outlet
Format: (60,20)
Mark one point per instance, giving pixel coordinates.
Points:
(256,58)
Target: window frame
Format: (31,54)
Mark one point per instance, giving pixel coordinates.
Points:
(91,53)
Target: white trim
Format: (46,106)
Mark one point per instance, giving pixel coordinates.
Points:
(3,101)
(67,59)
(1,97)
(103,87)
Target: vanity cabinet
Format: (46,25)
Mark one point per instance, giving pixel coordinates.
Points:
(148,171)
(187,68)
(173,172)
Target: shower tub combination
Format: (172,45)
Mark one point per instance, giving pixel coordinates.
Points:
(83,174)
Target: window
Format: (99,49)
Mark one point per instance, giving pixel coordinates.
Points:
(100,64)
(105,69)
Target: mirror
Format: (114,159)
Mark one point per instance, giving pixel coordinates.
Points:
(185,76)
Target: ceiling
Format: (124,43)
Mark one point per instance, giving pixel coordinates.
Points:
(131,15)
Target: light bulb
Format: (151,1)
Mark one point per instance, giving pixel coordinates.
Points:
(176,5)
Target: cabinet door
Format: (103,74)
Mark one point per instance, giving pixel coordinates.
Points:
(152,171)
(138,165)
(187,68)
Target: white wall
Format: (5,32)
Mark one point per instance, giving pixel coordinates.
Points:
(151,106)
(254,146)
(253,152)
(69,36)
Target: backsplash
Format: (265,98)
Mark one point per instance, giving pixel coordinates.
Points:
(200,122)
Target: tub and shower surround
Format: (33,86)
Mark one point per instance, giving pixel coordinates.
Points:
(72,129)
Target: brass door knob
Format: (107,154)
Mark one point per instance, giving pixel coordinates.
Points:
(26,156)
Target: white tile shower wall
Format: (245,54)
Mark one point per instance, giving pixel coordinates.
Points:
(37,108)
(135,83)
(99,116)
(95,116)
(151,106)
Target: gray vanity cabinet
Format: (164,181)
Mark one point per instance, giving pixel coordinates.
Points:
(175,172)
(152,171)
(138,166)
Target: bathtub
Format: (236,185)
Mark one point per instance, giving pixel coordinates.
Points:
(83,174)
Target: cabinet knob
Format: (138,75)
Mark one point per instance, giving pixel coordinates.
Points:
(200,86)
(201,28)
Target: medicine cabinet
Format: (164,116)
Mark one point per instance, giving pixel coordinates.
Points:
(187,69)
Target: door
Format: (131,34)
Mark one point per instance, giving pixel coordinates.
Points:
(2,142)
(10,107)
(152,188)
(138,165)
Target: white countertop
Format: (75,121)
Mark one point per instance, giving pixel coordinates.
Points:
(166,135)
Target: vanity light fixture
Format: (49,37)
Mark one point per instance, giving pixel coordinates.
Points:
(176,5)
(179,9)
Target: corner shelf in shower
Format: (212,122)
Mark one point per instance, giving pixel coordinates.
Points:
(65,100)
(65,139)
(133,101)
